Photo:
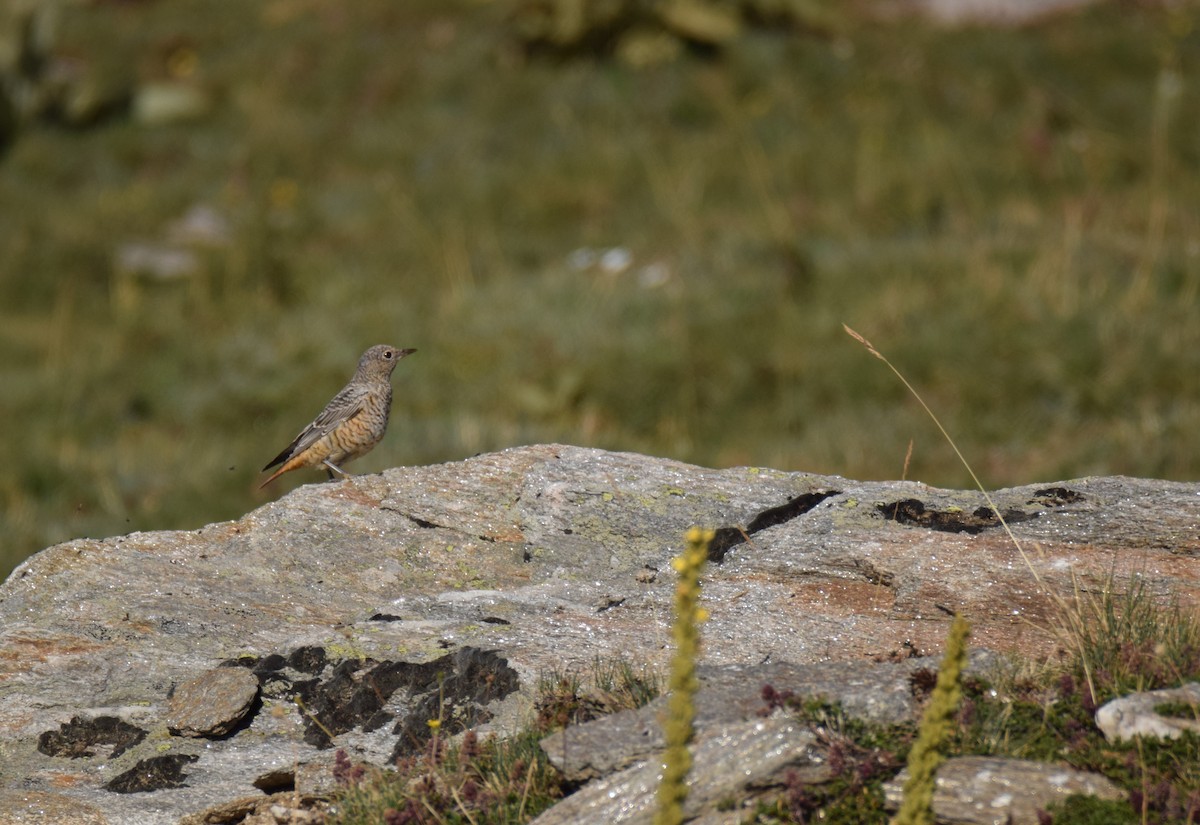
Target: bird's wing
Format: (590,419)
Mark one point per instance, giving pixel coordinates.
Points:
(346,405)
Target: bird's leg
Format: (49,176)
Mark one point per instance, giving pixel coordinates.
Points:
(332,468)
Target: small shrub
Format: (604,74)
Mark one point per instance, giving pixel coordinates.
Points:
(480,781)
(861,758)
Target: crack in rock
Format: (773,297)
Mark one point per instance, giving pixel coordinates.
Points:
(422,523)
(1056,497)
(913,513)
(726,538)
(425,524)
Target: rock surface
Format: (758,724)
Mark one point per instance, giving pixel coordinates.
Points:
(987,790)
(40,808)
(365,608)
(213,703)
(731,694)
(727,765)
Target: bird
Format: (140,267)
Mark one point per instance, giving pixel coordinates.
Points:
(351,424)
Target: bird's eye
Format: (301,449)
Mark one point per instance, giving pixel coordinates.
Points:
(387,354)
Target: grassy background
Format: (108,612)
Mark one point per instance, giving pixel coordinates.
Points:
(1011,216)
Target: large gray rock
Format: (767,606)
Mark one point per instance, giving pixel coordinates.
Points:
(365,608)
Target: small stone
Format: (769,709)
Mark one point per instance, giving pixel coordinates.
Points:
(235,810)
(616,260)
(213,703)
(288,815)
(200,226)
(160,261)
(1140,714)
(155,104)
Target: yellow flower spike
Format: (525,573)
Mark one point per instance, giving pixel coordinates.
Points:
(933,735)
(681,705)
(434,724)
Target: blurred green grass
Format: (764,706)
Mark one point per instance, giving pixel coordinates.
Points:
(1011,215)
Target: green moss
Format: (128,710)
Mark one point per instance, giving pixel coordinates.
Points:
(1182,710)
(1088,810)
(862,757)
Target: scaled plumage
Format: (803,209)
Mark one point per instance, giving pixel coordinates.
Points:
(353,422)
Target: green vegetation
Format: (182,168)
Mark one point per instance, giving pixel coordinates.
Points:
(1128,641)
(494,781)
(1041,712)
(1011,214)
(610,686)
(1088,810)
(861,757)
(1180,710)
